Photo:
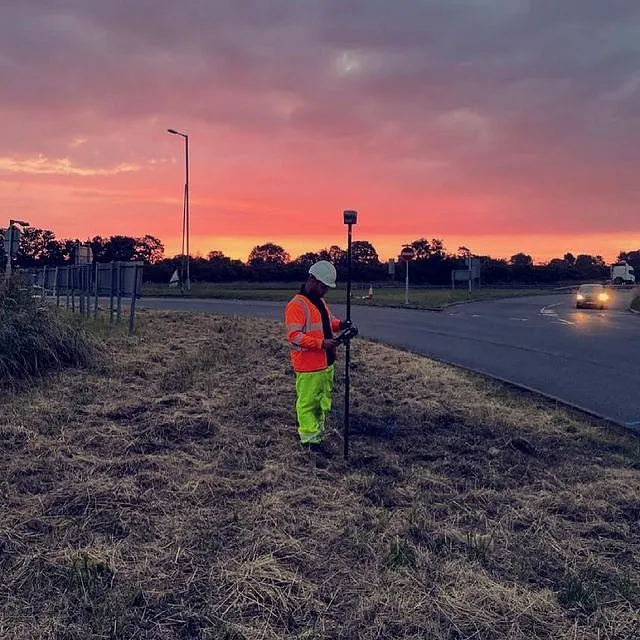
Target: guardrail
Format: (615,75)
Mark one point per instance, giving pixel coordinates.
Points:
(80,286)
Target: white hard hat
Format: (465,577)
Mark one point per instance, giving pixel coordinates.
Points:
(325,272)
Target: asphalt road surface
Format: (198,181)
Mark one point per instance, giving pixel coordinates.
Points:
(587,358)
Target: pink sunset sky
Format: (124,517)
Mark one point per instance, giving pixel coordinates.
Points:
(504,125)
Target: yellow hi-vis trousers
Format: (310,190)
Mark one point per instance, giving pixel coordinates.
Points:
(313,390)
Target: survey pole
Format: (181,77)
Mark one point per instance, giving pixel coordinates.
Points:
(350,218)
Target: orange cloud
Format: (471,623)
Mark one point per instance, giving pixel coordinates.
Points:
(41,165)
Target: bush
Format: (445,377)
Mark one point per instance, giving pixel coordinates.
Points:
(35,339)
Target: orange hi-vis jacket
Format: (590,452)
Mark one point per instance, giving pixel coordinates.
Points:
(306,335)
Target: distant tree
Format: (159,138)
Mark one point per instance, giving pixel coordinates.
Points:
(522,269)
(364,253)
(69,249)
(148,249)
(336,255)
(494,270)
(98,246)
(555,270)
(429,249)
(268,254)
(120,248)
(216,256)
(584,262)
(570,259)
(307,259)
(422,248)
(590,267)
(521,260)
(437,249)
(37,246)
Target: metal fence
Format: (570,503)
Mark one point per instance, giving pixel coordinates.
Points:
(80,286)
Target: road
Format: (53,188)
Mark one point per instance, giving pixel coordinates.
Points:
(587,358)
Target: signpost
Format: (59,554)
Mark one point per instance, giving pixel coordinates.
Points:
(467,254)
(12,242)
(350,218)
(407,254)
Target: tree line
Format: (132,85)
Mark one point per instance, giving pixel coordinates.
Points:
(270,262)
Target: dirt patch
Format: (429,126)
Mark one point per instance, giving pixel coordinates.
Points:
(163,494)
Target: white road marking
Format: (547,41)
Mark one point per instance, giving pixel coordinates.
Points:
(549,311)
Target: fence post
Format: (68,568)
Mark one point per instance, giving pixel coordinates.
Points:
(73,288)
(119,290)
(95,299)
(111,295)
(134,291)
(80,270)
(44,283)
(57,286)
(88,272)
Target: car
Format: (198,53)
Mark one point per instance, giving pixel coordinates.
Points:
(593,296)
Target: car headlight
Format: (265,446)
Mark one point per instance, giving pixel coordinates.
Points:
(603,296)
(580,296)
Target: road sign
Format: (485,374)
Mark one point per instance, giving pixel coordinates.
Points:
(84,254)
(11,241)
(460,275)
(408,253)
(392,266)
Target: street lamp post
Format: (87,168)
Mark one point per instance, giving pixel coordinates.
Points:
(185,276)
(9,242)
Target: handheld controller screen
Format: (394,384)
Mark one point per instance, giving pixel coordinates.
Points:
(347,334)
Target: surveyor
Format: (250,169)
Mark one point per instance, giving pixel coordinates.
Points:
(310,331)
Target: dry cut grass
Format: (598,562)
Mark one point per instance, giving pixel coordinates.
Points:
(163,494)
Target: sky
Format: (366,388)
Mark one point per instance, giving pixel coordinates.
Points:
(503,125)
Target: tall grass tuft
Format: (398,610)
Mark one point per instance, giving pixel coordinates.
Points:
(35,339)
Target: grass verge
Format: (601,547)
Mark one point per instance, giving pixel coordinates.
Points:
(34,339)
(163,494)
(418,298)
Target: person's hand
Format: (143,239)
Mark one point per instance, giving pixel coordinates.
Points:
(345,324)
(330,344)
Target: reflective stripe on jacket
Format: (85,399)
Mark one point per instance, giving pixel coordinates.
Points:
(305,334)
